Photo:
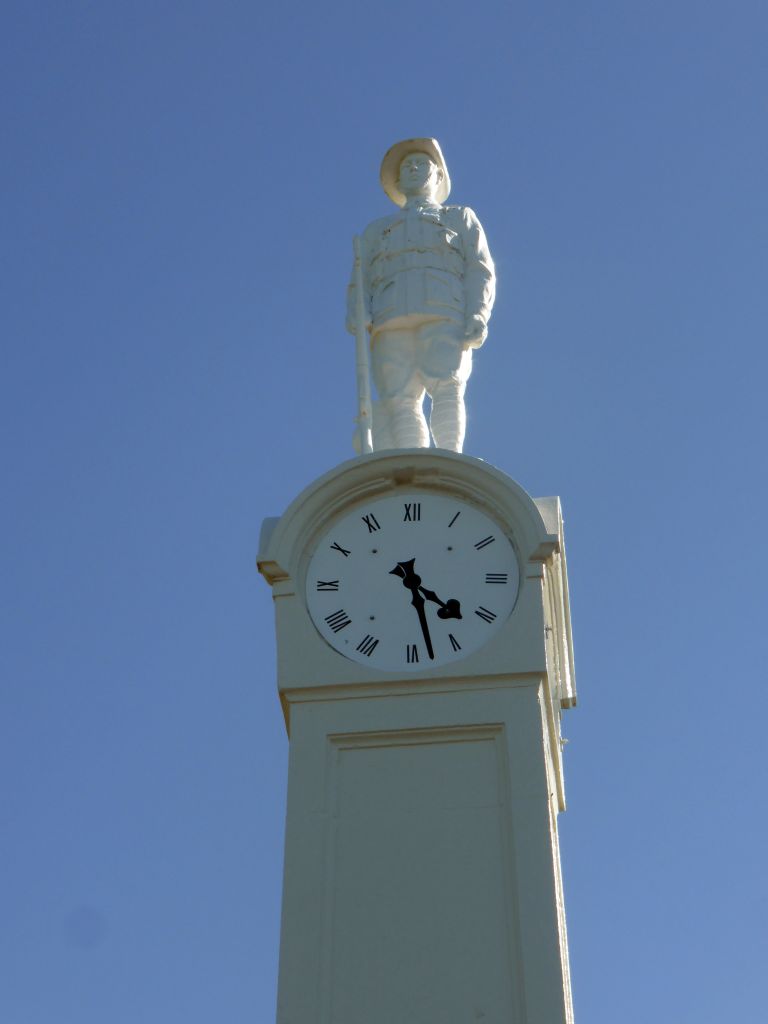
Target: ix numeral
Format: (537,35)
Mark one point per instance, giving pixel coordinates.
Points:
(411,654)
(496,577)
(327,584)
(484,543)
(371,522)
(454,642)
(338,547)
(412,512)
(484,614)
(367,645)
(339,620)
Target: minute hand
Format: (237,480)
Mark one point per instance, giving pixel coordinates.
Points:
(418,603)
(411,580)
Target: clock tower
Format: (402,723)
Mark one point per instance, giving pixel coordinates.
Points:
(424,662)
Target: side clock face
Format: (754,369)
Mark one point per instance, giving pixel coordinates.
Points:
(411,582)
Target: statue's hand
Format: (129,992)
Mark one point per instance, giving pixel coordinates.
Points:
(475,332)
(352,327)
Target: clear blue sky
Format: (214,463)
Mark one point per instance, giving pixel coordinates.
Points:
(181,183)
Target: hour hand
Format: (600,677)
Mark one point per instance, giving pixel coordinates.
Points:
(450,609)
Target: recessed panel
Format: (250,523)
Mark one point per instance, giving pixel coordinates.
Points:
(420,881)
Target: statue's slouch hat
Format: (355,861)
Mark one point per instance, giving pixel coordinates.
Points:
(390,167)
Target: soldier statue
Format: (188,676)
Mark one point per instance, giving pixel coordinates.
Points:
(428,290)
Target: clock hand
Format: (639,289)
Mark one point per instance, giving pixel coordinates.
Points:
(412,582)
(450,609)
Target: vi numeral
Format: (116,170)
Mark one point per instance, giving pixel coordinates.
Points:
(411,654)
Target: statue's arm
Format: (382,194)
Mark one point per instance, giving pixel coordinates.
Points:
(479,278)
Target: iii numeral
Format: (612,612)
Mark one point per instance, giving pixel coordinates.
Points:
(338,547)
(371,522)
(412,512)
(327,584)
(484,614)
(367,645)
(497,577)
(454,642)
(339,620)
(484,543)
(411,654)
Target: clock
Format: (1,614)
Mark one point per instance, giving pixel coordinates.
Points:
(411,581)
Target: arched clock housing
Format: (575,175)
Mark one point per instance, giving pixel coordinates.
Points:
(417,563)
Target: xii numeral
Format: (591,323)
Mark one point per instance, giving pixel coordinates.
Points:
(412,512)
(484,543)
(484,614)
(367,645)
(497,577)
(371,522)
(339,620)
(327,584)
(411,654)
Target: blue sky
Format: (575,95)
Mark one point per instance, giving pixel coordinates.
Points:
(181,183)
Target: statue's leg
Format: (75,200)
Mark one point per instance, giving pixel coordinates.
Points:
(381,427)
(400,389)
(448,420)
(446,366)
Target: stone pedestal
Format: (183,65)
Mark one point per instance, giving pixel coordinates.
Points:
(422,875)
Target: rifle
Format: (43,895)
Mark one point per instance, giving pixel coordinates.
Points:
(364,410)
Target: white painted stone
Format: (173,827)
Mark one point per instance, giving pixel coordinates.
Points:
(429,288)
(422,878)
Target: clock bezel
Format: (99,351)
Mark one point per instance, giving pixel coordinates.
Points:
(359,507)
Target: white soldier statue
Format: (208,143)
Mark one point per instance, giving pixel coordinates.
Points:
(428,288)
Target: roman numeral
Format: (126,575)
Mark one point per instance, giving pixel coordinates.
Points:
(484,543)
(339,620)
(411,654)
(454,519)
(371,522)
(412,512)
(497,577)
(327,584)
(484,614)
(338,547)
(367,645)
(454,642)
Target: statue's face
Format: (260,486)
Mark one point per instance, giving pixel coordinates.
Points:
(419,175)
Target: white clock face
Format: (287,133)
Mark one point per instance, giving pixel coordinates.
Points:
(411,581)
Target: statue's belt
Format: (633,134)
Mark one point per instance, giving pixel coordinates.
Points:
(385,265)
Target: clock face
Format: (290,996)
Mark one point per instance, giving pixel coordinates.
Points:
(411,581)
